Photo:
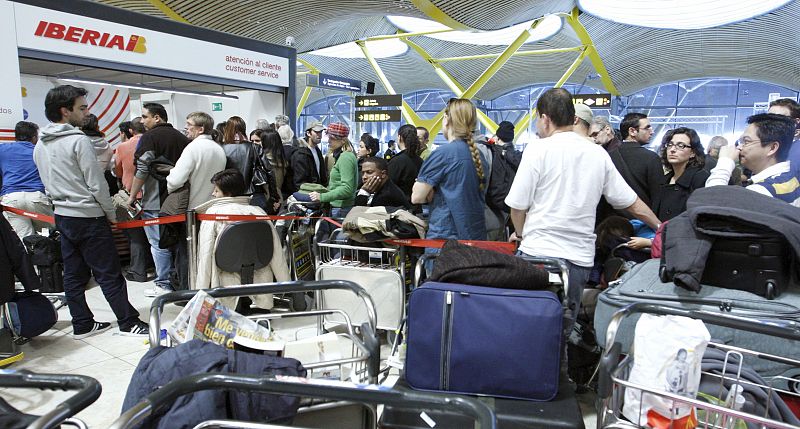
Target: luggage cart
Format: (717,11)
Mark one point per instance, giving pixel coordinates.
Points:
(88,390)
(379,270)
(613,373)
(366,394)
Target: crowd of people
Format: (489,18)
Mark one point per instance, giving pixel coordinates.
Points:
(578,173)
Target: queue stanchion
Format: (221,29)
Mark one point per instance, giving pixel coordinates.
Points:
(191,242)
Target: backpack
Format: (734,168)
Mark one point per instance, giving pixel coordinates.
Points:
(504,167)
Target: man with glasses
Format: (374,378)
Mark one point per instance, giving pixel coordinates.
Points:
(640,167)
(308,164)
(603,134)
(763,149)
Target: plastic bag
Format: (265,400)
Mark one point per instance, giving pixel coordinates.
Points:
(667,352)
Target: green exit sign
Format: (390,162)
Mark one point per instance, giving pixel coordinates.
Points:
(216,107)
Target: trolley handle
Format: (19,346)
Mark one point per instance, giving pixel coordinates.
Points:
(157,307)
(164,396)
(88,390)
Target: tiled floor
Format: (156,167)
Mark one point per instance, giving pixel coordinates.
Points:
(111,359)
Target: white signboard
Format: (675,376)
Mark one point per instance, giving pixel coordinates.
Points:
(10,92)
(63,33)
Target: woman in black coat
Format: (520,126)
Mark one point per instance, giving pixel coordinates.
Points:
(683,158)
(404,167)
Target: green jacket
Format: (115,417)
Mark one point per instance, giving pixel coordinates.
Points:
(342,184)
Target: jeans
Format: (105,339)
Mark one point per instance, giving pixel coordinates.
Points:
(35,202)
(140,252)
(161,257)
(87,248)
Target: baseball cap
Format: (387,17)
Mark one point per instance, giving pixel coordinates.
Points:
(584,112)
(316,126)
(338,130)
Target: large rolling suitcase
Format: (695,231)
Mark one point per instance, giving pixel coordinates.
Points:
(486,341)
(642,284)
(562,412)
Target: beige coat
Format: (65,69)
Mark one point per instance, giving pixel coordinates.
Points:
(210,276)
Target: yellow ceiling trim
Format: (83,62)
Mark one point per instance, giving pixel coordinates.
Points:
(428,8)
(166,10)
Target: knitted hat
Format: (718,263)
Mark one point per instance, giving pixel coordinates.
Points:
(505,131)
(338,130)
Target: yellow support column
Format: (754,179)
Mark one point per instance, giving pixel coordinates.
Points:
(411,116)
(594,57)
(451,82)
(307,91)
(526,120)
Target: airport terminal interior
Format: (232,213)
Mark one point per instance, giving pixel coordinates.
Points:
(400,214)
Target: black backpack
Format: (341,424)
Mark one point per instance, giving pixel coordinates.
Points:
(504,167)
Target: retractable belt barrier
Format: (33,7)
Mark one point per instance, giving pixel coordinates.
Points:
(498,246)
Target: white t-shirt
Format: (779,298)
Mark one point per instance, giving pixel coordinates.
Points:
(559,184)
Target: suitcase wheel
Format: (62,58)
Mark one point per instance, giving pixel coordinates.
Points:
(770,290)
(662,274)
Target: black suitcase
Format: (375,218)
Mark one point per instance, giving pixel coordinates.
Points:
(760,266)
(52,278)
(562,412)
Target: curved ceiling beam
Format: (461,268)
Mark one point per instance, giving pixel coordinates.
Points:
(428,8)
(168,11)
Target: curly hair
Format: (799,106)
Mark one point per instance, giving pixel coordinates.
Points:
(699,159)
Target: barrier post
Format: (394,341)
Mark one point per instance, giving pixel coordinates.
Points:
(191,242)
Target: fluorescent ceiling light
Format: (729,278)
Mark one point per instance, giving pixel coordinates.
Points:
(147,88)
(549,26)
(679,14)
(378,48)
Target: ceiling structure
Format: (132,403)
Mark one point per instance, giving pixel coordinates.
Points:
(762,48)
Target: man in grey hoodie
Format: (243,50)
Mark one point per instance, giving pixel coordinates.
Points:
(72,177)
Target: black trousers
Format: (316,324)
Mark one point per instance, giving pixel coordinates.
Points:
(87,248)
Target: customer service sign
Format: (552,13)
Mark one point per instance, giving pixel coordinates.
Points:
(48,30)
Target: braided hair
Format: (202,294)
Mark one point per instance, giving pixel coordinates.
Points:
(462,120)
(408,133)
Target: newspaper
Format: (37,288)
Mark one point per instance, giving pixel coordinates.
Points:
(205,318)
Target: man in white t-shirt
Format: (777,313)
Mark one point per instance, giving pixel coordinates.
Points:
(554,196)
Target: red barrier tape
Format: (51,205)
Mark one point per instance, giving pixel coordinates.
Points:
(497,246)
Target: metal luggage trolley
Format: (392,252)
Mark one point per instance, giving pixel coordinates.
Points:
(365,394)
(88,390)
(379,270)
(299,238)
(360,351)
(614,373)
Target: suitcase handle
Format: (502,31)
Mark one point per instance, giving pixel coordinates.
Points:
(157,307)
(371,394)
(88,391)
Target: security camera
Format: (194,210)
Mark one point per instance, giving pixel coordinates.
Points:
(289,41)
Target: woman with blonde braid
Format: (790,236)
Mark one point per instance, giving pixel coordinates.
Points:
(452,178)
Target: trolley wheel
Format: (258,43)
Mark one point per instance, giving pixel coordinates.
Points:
(662,274)
(297,301)
(771,290)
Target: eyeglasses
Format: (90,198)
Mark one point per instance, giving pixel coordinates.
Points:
(595,134)
(680,146)
(746,142)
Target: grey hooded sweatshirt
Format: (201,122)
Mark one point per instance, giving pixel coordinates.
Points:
(70,172)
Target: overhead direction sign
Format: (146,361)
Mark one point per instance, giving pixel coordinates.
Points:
(378,100)
(594,101)
(377,116)
(339,82)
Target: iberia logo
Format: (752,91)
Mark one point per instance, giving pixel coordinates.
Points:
(53,30)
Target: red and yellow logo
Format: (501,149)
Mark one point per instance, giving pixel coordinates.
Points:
(53,30)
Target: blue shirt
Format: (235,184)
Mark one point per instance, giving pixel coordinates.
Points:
(18,169)
(457,209)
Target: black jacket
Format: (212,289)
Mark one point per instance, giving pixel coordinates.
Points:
(403,170)
(389,195)
(14,260)
(162,141)
(724,211)
(671,198)
(641,168)
(242,156)
(162,365)
(304,170)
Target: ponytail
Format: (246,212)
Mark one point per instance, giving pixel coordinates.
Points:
(410,138)
(476,158)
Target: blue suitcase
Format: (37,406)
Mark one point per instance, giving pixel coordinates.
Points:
(484,341)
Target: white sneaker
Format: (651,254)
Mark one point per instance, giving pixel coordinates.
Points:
(156,291)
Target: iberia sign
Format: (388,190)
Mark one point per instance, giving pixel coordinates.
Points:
(53,30)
